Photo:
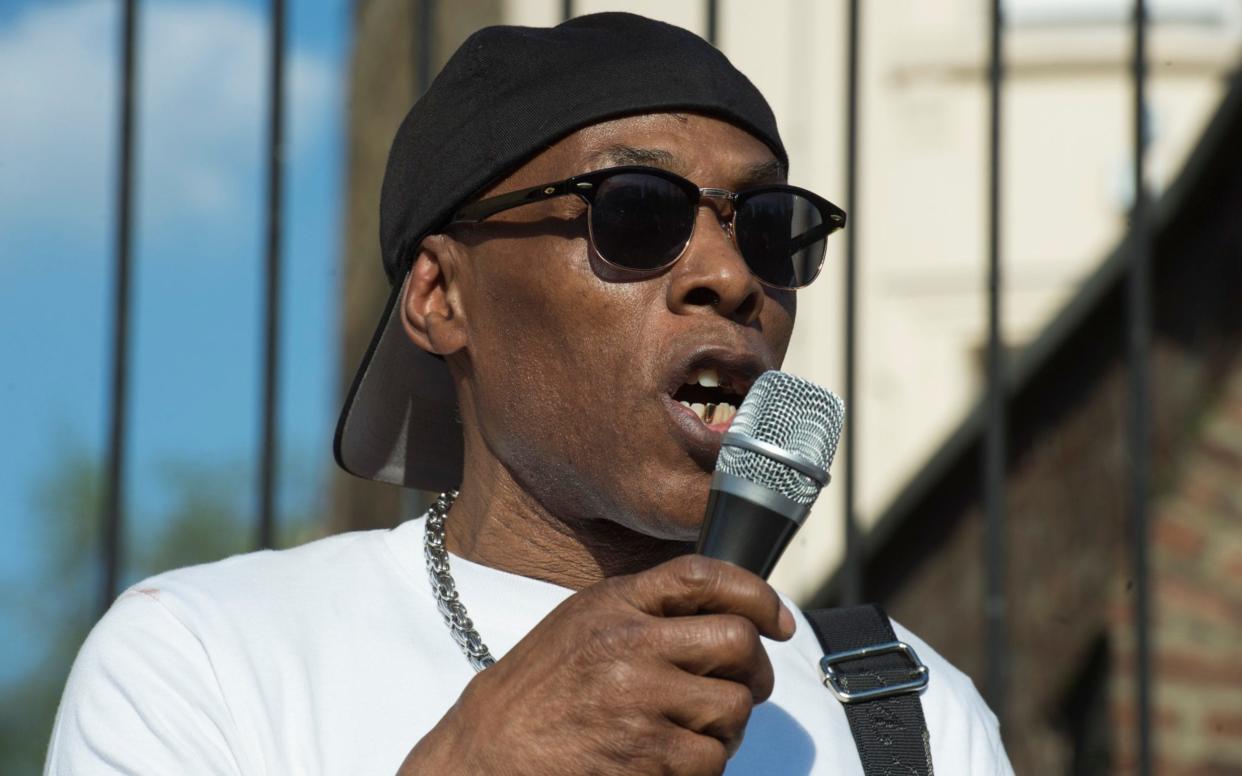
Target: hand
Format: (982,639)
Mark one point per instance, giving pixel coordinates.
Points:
(654,672)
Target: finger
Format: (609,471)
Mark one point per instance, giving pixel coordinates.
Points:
(724,646)
(711,707)
(693,584)
(687,753)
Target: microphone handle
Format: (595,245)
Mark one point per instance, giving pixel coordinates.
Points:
(744,533)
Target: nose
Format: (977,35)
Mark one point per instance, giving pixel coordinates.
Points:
(712,277)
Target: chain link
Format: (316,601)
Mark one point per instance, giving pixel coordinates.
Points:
(445,589)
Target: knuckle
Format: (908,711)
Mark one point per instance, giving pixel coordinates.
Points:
(612,639)
(632,737)
(603,656)
(697,573)
(620,677)
(664,748)
(738,633)
(712,756)
(736,706)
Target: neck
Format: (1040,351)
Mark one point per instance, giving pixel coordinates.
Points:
(494,522)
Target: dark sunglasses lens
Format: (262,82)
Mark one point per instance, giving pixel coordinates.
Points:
(781,235)
(640,221)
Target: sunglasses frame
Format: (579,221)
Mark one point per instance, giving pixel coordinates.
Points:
(587,184)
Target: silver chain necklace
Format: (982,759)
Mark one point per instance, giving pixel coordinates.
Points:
(445,589)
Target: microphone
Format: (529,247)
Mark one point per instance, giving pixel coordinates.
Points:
(773,462)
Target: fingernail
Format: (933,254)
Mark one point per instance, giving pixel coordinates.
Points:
(787,622)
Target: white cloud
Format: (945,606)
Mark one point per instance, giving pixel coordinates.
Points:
(202,126)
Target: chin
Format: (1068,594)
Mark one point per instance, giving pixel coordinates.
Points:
(670,514)
(669,530)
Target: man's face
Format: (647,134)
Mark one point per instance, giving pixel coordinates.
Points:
(574,373)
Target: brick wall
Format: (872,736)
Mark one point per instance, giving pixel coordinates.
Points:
(1197,594)
(1065,532)
(1069,581)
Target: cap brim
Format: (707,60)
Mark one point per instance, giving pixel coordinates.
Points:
(400,422)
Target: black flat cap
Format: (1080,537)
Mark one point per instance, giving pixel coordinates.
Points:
(506,93)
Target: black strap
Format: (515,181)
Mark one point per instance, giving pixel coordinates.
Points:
(890,733)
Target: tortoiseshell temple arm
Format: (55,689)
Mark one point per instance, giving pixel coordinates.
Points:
(476,212)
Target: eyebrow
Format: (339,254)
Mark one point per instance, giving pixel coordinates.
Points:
(646,157)
(772,171)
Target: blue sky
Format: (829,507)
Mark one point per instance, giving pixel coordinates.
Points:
(198,245)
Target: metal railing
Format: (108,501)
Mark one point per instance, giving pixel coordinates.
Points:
(114,496)
(993,469)
(271,345)
(994,458)
(1138,325)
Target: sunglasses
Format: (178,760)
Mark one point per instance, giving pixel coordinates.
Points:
(640,219)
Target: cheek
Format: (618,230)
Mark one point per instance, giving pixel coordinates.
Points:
(552,348)
(779,312)
(551,331)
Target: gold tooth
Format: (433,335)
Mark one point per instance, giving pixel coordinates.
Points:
(708,413)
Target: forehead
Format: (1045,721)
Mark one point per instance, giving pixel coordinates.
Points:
(706,150)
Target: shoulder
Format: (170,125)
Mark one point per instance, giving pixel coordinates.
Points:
(327,559)
(957,688)
(247,610)
(179,670)
(142,693)
(951,688)
(963,730)
(173,607)
(268,586)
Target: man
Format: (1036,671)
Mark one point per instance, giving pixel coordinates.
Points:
(550,314)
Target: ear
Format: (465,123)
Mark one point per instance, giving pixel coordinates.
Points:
(431,309)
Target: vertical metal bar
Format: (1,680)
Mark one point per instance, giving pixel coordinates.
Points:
(567,10)
(994,442)
(424,28)
(852,589)
(423,44)
(114,497)
(711,11)
(268,474)
(1138,340)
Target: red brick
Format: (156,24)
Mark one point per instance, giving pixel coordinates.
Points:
(1176,596)
(1201,489)
(1218,451)
(1196,668)
(1179,536)
(1223,724)
(1193,767)
(1164,718)
(1233,412)
(1232,566)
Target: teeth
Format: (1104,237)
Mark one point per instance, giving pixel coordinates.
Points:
(712,414)
(708,378)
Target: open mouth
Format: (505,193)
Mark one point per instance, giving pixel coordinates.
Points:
(712,394)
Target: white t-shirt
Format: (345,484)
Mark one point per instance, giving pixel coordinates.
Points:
(332,658)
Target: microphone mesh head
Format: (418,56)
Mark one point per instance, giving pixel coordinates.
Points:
(795,415)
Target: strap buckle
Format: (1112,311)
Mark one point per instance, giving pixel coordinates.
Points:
(838,682)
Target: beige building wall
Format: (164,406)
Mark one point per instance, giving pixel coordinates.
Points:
(921,219)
